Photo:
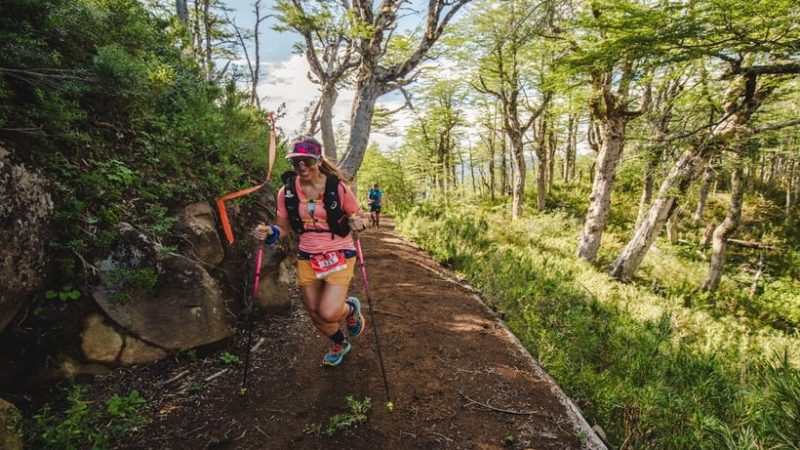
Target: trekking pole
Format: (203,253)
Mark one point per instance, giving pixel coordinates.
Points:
(256,281)
(357,241)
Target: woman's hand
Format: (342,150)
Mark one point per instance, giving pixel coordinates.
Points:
(269,232)
(357,223)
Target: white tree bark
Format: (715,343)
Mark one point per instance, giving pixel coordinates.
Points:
(672,227)
(647,195)
(724,231)
(705,187)
(182,11)
(683,172)
(519,171)
(375,79)
(600,199)
(327,102)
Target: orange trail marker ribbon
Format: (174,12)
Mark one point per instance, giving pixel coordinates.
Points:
(223,213)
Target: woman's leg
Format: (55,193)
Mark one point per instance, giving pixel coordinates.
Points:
(326,305)
(312,294)
(332,307)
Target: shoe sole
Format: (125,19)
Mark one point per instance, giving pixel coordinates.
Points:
(346,350)
(363,322)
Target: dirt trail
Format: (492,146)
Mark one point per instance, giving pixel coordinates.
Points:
(441,347)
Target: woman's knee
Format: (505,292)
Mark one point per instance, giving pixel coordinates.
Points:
(331,315)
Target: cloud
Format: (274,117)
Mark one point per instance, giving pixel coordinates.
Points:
(286,82)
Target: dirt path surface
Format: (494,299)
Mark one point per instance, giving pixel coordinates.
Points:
(448,361)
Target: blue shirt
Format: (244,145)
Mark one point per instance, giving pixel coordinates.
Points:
(375,195)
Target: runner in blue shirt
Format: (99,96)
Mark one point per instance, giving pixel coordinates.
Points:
(375,203)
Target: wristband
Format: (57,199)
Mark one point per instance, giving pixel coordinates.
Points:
(273,238)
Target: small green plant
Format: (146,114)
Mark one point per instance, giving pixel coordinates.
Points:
(82,423)
(191,354)
(65,294)
(356,416)
(129,281)
(229,358)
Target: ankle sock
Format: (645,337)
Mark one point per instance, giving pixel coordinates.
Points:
(338,337)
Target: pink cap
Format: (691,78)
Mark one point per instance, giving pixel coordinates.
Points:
(305,148)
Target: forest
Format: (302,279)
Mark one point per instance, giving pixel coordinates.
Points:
(618,179)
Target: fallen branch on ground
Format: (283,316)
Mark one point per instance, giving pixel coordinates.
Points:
(389,313)
(175,378)
(752,244)
(220,373)
(503,410)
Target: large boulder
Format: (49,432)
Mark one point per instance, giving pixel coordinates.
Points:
(169,302)
(277,267)
(25,208)
(10,435)
(197,223)
(275,287)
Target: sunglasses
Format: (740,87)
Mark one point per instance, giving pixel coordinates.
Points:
(306,160)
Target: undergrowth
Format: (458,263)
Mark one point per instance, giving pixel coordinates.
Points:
(656,364)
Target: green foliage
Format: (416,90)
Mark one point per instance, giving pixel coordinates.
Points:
(124,126)
(229,358)
(130,281)
(65,294)
(82,423)
(388,170)
(356,415)
(651,369)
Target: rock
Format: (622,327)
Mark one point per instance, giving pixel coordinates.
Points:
(25,209)
(197,223)
(99,341)
(186,310)
(600,432)
(66,367)
(137,351)
(274,290)
(10,434)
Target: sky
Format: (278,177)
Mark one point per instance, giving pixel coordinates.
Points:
(284,77)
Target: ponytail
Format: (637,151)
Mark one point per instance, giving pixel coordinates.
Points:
(329,169)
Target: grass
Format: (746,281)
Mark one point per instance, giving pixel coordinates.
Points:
(654,362)
(76,422)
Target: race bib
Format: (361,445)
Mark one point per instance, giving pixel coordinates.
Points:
(325,264)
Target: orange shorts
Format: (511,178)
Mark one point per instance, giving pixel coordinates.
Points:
(307,277)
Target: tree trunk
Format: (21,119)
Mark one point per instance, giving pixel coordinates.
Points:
(182,11)
(600,199)
(503,167)
(672,228)
(676,183)
(570,152)
(551,174)
(790,181)
(647,190)
(492,183)
(541,155)
(209,61)
(705,241)
(327,102)
(471,168)
(518,167)
(367,93)
(724,231)
(705,187)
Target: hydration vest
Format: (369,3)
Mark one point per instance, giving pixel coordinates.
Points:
(337,220)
